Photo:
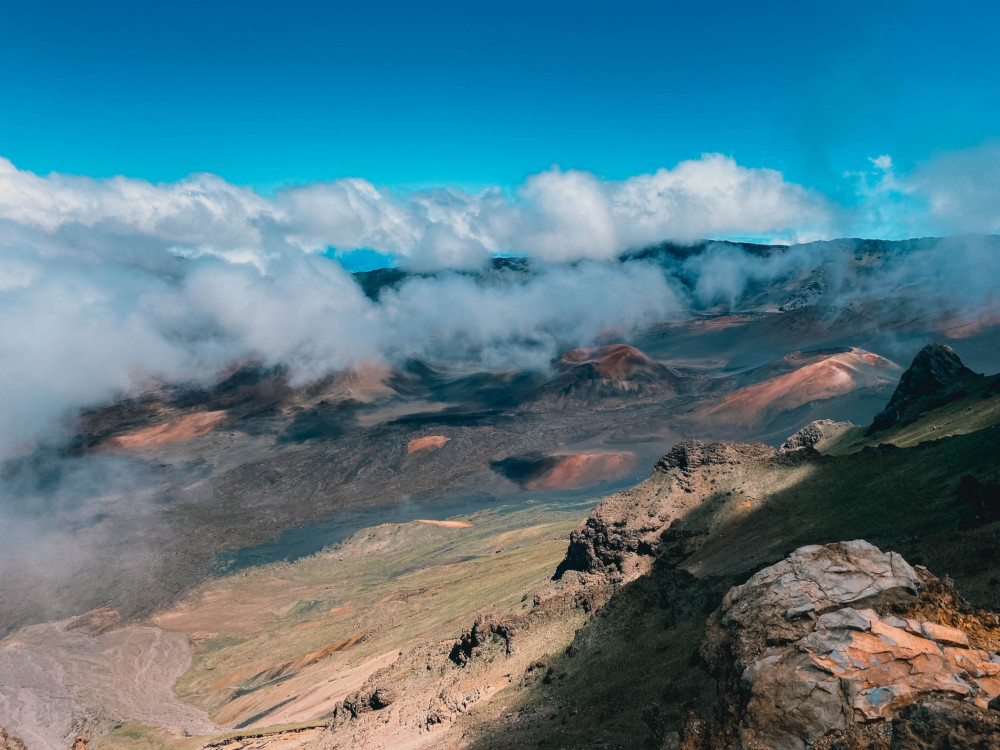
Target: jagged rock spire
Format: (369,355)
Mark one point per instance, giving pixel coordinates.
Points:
(934,376)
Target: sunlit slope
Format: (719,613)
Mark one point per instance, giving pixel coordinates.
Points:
(285,642)
(633,674)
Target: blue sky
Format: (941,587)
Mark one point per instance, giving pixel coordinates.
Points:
(472,94)
(169,169)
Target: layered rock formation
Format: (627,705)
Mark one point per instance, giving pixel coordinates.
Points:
(833,642)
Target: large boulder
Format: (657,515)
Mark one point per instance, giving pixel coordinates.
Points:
(825,641)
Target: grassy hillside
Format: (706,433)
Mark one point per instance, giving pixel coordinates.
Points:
(633,673)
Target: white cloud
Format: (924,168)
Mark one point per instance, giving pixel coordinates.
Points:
(518,323)
(955,192)
(555,215)
(106,282)
(714,197)
(883,162)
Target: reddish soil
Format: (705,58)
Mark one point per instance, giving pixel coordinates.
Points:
(722,322)
(427,444)
(616,362)
(174,431)
(957,327)
(447,524)
(831,376)
(582,469)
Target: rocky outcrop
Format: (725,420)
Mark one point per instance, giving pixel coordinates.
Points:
(809,436)
(935,376)
(693,454)
(10,743)
(833,640)
(486,628)
(372,699)
(628,530)
(810,293)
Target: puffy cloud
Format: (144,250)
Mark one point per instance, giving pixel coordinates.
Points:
(714,197)
(106,283)
(555,215)
(568,215)
(348,213)
(202,210)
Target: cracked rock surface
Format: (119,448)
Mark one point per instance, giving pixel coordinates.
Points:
(822,642)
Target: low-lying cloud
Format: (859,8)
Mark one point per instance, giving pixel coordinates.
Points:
(109,285)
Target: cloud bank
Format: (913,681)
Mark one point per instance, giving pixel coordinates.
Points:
(556,215)
(107,285)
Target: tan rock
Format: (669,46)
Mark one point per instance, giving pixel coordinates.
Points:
(812,664)
(944,634)
(10,743)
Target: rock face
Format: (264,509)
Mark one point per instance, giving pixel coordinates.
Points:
(831,639)
(808,294)
(808,436)
(933,378)
(622,536)
(485,628)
